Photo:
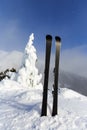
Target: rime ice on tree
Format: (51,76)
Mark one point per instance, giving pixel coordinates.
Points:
(28,74)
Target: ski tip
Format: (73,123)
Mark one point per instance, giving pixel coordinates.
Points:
(58,39)
(48,37)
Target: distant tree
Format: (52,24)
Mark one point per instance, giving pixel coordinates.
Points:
(8,73)
(13,70)
(7,70)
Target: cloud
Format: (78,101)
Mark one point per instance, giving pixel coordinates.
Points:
(10,60)
(74,60)
(71,60)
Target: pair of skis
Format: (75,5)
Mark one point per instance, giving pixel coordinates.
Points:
(46,75)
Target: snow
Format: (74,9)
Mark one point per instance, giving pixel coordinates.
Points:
(20,109)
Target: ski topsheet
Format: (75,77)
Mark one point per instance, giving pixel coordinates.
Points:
(56,72)
(46,75)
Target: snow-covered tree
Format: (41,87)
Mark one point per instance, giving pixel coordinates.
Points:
(28,73)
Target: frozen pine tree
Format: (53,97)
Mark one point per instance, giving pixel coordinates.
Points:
(28,73)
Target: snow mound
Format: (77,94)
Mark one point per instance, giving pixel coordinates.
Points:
(28,73)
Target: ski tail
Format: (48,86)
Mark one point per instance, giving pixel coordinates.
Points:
(56,73)
(46,74)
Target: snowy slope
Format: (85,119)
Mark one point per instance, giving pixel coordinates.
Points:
(20,109)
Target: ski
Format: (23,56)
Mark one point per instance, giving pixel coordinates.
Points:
(56,72)
(46,74)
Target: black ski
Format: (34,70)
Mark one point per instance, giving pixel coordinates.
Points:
(56,71)
(46,75)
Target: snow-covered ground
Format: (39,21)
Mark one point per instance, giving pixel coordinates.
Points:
(21,100)
(20,109)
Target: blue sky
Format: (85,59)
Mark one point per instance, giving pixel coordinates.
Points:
(19,18)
